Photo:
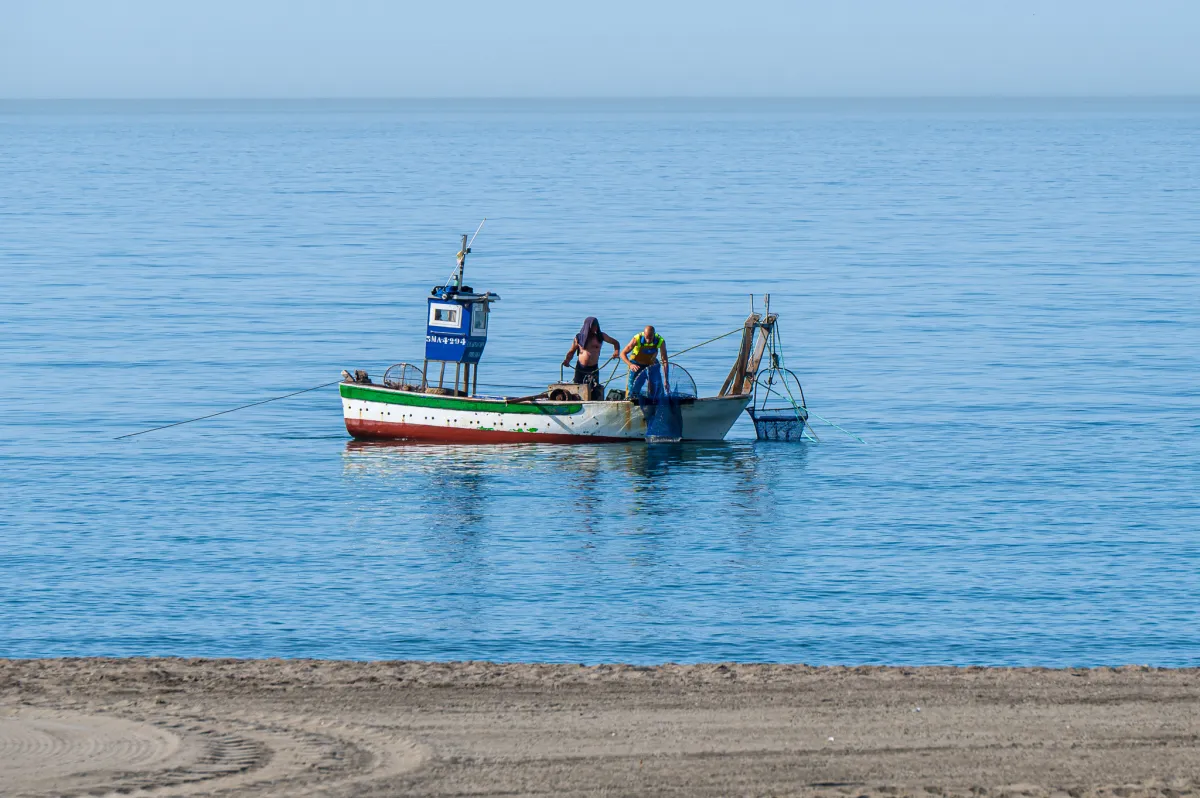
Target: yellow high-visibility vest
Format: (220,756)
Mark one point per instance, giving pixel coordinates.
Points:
(646,352)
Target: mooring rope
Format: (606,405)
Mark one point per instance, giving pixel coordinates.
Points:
(231,410)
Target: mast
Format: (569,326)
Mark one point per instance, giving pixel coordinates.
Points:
(462,262)
(456,329)
(756,334)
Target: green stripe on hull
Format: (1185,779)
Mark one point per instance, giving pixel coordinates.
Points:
(369,394)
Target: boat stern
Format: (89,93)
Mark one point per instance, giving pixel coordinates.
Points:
(711,419)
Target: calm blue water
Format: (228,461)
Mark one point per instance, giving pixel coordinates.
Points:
(1000,298)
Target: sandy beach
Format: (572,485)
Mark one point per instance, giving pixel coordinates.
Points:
(274,727)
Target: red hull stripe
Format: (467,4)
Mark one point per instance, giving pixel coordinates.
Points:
(391,431)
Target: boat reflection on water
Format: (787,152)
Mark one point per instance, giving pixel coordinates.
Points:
(512,540)
(638,487)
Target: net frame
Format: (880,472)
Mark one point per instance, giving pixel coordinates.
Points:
(404,377)
(784,419)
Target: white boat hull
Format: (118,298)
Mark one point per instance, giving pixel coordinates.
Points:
(379,413)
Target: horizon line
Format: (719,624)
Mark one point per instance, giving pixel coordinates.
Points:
(623,98)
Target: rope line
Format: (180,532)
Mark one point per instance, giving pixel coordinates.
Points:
(709,341)
(223,412)
(835,426)
(613,375)
(515,387)
(791,398)
(779,337)
(777,344)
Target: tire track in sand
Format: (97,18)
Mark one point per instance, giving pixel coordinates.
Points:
(175,751)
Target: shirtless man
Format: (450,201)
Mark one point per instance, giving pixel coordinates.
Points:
(587,345)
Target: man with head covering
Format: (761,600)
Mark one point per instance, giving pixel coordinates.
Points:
(587,345)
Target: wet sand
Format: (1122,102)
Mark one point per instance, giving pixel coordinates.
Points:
(272,727)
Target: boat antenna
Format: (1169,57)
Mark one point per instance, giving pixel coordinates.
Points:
(477,229)
(457,276)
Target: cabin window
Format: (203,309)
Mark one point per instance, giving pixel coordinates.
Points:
(445,316)
(479,318)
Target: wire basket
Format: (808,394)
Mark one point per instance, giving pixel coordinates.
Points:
(773,419)
(778,425)
(404,377)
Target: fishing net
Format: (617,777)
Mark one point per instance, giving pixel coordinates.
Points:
(661,400)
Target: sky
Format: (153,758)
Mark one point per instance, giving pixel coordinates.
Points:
(599,48)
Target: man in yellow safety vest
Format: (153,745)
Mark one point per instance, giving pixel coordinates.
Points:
(642,355)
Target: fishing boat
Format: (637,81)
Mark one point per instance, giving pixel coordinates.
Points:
(438,402)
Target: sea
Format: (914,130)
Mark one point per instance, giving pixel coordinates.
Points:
(1000,298)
